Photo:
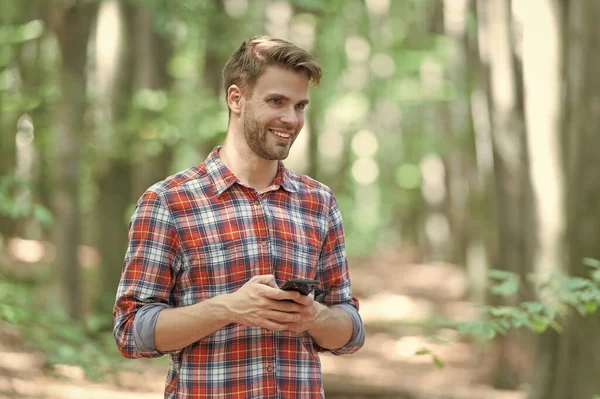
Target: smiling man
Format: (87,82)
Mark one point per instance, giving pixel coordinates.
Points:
(210,246)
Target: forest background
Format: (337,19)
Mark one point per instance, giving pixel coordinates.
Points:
(460,138)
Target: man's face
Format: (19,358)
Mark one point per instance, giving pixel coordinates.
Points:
(274,114)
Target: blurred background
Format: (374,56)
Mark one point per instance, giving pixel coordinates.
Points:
(460,137)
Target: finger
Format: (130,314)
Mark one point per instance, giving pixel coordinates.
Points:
(281,295)
(285,306)
(266,279)
(272,325)
(304,300)
(281,317)
(295,327)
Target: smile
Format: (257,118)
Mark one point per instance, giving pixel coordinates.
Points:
(281,134)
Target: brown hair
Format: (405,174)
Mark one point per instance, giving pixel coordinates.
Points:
(249,61)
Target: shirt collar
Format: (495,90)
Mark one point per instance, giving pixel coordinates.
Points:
(223,178)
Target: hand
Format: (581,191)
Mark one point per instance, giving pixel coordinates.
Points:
(309,314)
(260,303)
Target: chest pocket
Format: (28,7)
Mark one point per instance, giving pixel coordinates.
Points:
(295,259)
(222,267)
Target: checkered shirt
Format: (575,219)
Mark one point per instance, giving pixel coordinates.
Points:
(201,233)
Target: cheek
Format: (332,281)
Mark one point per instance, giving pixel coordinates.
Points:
(300,120)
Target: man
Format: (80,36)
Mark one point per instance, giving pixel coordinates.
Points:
(209,248)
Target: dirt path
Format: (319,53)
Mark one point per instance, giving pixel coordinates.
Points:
(395,295)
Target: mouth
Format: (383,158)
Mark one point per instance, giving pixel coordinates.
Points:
(283,135)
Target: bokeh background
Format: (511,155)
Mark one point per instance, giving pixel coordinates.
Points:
(461,138)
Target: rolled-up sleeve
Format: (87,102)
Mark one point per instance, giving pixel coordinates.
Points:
(146,277)
(334,274)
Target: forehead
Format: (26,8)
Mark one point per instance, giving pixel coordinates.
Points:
(283,81)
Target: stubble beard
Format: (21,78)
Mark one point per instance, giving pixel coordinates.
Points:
(257,138)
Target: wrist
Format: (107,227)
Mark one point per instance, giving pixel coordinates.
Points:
(219,307)
(224,308)
(320,315)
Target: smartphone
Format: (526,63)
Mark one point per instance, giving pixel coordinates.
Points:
(303,286)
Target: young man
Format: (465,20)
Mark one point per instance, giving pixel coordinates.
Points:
(209,248)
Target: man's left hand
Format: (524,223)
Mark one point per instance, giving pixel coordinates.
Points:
(309,314)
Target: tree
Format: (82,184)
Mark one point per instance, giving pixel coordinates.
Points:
(512,190)
(127,167)
(153,52)
(113,169)
(71,23)
(567,363)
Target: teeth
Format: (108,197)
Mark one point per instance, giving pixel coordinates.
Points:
(282,135)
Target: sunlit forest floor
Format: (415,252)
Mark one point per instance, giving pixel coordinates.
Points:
(400,304)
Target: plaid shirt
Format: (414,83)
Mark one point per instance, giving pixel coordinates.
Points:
(201,233)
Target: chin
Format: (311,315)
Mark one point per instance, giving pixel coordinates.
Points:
(283,156)
(278,154)
(276,157)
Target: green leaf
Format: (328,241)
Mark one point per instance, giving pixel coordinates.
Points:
(423,351)
(502,311)
(591,262)
(556,327)
(520,321)
(532,307)
(438,362)
(42,215)
(538,326)
(503,325)
(489,332)
(577,283)
(508,282)
(596,275)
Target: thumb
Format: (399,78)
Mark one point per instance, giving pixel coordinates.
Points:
(267,279)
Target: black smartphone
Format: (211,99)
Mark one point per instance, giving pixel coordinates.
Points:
(303,286)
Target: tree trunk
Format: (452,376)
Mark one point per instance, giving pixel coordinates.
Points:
(34,77)
(513,212)
(215,56)
(216,53)
(114,171)
(542,66)
(153,53)
(114,187)
(72,27)
(573,372)
(461,179)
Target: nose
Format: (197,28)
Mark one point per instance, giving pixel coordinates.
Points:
(291,117)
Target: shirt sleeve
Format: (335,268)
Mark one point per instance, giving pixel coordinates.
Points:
(146,277)
(144,324)
(333,272)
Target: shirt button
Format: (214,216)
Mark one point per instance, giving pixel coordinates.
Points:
(269,368)
(256,202)
(264,243)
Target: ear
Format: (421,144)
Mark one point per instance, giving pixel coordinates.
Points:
(234,99)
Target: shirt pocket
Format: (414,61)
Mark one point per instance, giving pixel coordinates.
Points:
(296,259)
(223,267)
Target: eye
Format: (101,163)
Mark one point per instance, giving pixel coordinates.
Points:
(275,101)
(301,106)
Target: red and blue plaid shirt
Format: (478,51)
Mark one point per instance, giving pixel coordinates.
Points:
(201,233)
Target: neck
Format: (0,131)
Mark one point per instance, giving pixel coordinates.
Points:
(248,167)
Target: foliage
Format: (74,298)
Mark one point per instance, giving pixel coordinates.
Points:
(16,203)
(561,293)
(63,341)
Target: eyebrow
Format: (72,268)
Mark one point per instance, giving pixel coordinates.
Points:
(286,98)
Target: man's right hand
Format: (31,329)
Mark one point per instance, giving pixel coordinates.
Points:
(260,303)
